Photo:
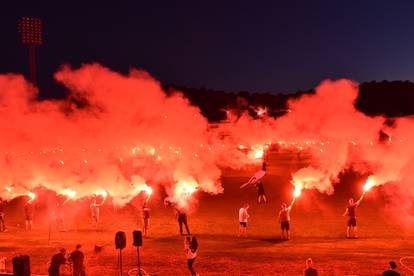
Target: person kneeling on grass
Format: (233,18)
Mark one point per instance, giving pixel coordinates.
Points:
(190,248)
(243,217)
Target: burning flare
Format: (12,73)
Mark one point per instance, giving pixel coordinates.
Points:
(102,193)
(368,185)
(256,152)
(144,188)
(69,193)
(184,191)
(297,192)
(32,196)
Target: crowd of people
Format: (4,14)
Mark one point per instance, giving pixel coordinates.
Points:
(76,261)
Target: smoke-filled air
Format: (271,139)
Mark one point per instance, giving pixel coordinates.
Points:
(120,135)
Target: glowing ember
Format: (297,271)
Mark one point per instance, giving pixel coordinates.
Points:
(297,192)
(261,111)
(368,185)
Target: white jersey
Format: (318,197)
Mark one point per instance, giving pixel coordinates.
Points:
(243,215)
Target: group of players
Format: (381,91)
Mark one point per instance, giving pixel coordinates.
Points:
(284,213)
(284,219)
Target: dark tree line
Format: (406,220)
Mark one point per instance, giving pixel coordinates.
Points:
(389,98)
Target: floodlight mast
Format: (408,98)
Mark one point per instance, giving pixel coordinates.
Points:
(30,29)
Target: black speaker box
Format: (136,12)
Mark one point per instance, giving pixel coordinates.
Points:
(137,236)
(120,240)
(21,265)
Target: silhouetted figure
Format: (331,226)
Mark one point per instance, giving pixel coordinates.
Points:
(29,211)
(77,259)
(264,166)
(2,220)
(261,196)
(57,260)
(60,224)
(310,270)
(392,271)
(182,219)
(284,219)
(145,217)
(95,211)
(351,230)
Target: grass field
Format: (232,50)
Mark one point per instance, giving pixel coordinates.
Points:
(318,232)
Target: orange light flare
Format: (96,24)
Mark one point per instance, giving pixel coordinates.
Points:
(297,192)
(241,147)
(184,190)
(256,152)
(32,196)
(261,111)
(368,185)
(69,193)
(144,188)
(102,193)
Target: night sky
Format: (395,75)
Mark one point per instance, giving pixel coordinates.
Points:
(278,46)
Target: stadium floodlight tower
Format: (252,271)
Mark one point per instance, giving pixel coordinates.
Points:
(30,29)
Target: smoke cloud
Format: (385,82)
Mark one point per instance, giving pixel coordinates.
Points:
(119,133)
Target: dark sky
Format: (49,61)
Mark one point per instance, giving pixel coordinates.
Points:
(245,45)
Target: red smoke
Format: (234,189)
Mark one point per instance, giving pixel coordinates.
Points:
(127,132)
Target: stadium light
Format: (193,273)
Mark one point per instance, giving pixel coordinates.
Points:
(30,29)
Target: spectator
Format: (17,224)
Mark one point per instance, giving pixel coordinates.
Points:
(310,270)
(77,258)
(57,260)
(392,271)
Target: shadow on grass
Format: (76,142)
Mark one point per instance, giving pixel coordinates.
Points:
(274,240)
